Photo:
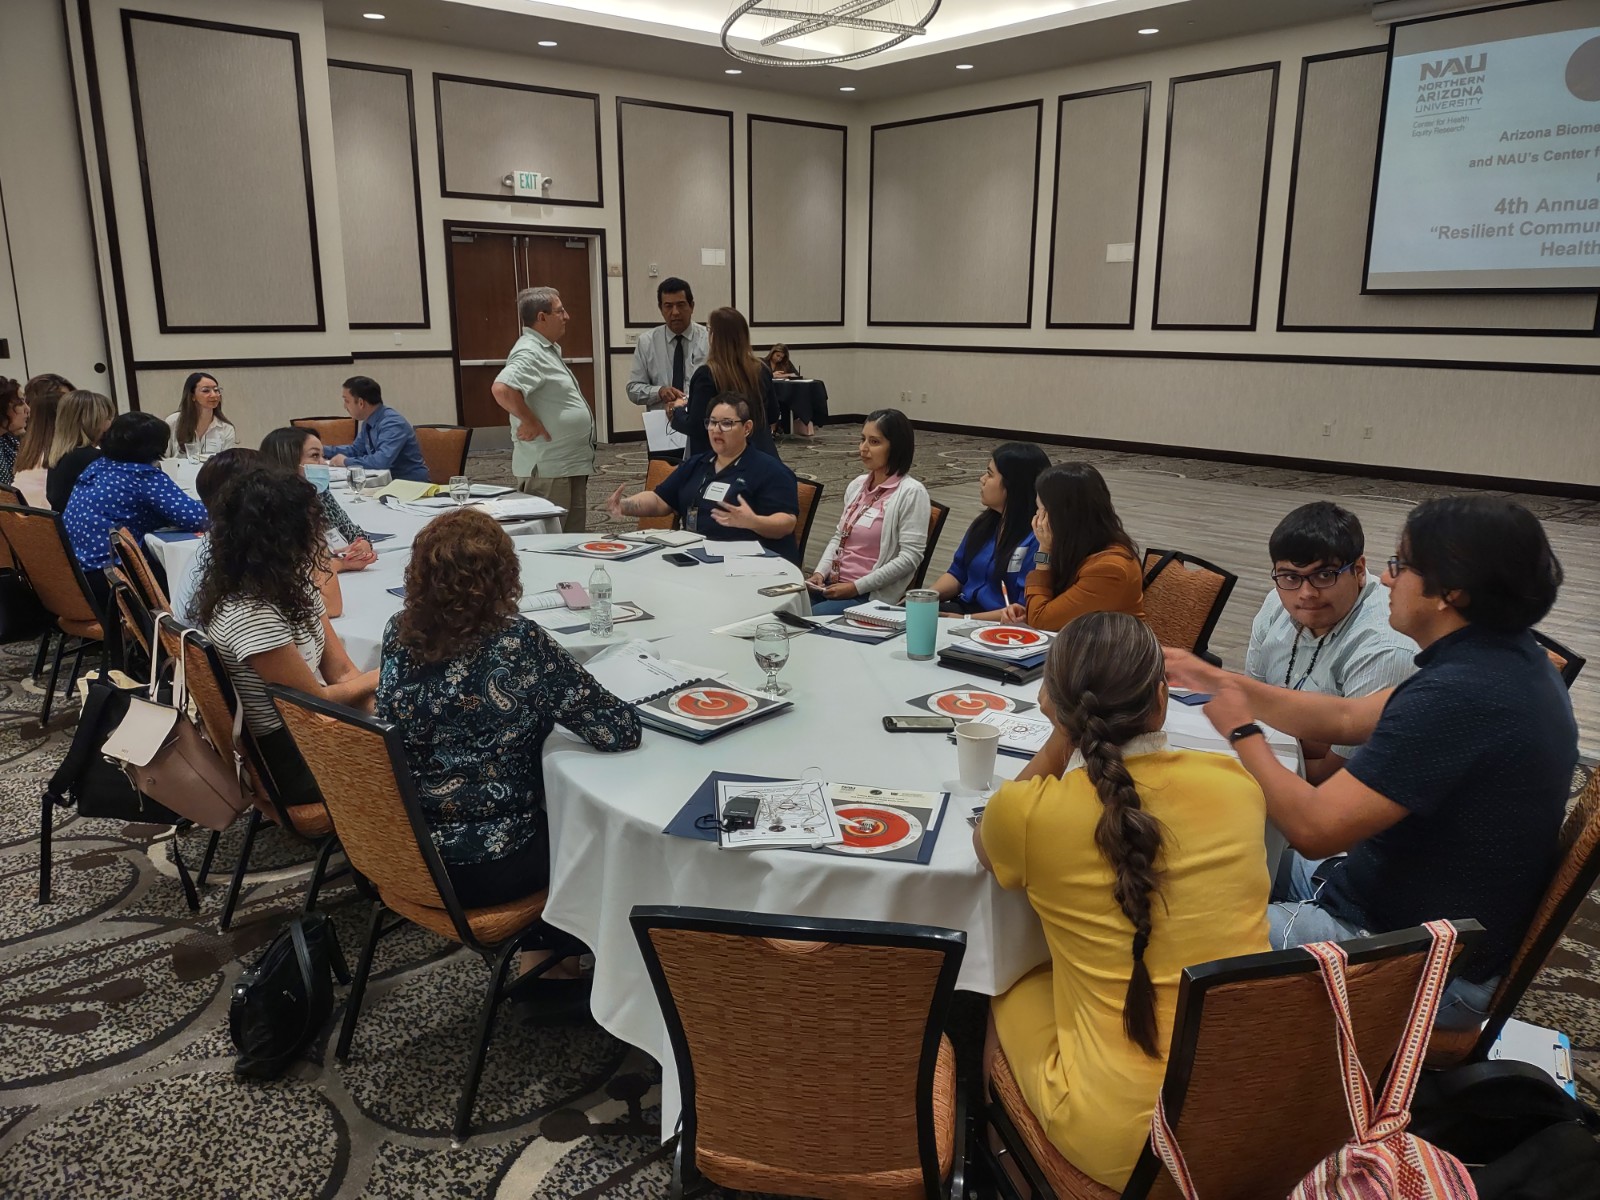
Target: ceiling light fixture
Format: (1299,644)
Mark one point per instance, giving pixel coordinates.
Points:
(1148,32)
(549,45)
(800,19)
(733,71)
(847,89)
(373,16)
(963,66)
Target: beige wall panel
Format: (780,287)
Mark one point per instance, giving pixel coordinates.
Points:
(1099,182)
(952,220)
(1219,134)
(797,235)
(372,137)
(260,399)
(490,130)
(1332,202)
(226,177)
(677,202)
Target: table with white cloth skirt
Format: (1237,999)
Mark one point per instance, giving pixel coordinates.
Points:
(607,812)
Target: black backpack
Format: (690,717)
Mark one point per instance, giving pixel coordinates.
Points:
(281,1003)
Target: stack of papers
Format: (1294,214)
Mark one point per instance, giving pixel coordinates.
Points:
(521,508)
(1020,736)
(1011,643)
(747,628)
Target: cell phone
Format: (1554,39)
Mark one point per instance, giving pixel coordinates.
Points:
(781,589)
(573,595)
(681,560)
(1193,698)
(928,724)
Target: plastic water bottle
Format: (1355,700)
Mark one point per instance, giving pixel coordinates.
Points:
(600,603)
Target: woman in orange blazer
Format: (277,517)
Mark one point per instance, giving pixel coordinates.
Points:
(1086,561)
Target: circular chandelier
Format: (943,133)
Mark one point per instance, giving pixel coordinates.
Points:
(880,24)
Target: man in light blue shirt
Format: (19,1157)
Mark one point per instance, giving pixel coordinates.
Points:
(666,358)
(1325,626)
(385,440)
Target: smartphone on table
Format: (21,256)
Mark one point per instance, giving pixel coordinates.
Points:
(919,724)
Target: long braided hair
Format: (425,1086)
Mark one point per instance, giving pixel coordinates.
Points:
(1104,678)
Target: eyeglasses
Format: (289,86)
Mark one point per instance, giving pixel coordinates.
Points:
(1398,564)
(722,425)
(1293,581)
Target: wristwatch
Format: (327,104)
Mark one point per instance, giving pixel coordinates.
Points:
(1251,729)
(1041,558)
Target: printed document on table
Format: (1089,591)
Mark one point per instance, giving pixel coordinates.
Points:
(659,435)
(792,812)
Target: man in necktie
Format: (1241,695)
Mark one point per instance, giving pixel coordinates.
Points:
(552,427)
(666,358)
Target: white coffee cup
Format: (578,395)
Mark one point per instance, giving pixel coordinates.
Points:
(976,746)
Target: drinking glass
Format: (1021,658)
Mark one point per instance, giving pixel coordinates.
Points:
(460,489)
(191,451)
(358,477)
(771,647)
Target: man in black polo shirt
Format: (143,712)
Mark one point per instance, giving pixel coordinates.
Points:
(1453,805)
(733,492)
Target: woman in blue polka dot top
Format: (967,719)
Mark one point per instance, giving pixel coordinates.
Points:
(126,487)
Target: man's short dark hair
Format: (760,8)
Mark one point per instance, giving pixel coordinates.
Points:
(896,429)
(136,437)
(1492,553)
(672,284)
(1319,532)
(363,388)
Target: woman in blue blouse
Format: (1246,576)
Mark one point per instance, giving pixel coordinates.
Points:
(126,486)
(475,690)
(991,566)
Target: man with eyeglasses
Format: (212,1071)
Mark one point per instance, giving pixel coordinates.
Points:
(1325,625)
(666,358)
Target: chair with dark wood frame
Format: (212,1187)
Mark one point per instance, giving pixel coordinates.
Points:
(866,1104)
(1253,1083)
(10,495)
(372,797)
(655,474)
(937,515)
(1569,664)
(444,450)
(809,494)
(1182,605)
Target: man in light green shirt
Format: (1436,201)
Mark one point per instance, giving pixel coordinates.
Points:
(552,429)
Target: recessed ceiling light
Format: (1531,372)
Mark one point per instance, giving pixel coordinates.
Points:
(963,66)
(732,71)
(548,45)
(847,89)
(1148,32)
(373,16)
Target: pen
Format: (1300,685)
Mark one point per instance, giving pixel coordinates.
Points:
(1005,595)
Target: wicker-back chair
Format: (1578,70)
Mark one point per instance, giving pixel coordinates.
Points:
(1253,1086)
(655,474)
(1183,598)
(1568,664)
(444,450)
(38,541)
(1576,872)
(136,567)
(137,622)
(809,493)
(937,515)
(853,1094)
(361,765)
(330,431)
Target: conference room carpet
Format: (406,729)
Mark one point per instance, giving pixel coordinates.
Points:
(113,999)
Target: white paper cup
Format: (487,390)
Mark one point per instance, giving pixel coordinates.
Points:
(976,746)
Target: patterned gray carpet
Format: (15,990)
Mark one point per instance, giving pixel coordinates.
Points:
(115,1060)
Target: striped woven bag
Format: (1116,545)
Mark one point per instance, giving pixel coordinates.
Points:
(1383,1161)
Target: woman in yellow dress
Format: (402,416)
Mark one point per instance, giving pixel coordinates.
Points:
(1140,860)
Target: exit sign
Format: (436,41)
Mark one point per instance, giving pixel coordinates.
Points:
(528,183)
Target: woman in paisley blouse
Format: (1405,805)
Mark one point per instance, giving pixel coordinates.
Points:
(475,690)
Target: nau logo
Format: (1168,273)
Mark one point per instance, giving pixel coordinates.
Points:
(1470,65)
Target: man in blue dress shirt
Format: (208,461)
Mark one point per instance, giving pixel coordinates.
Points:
(385,440)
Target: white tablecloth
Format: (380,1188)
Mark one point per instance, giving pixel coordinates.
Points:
(607,812)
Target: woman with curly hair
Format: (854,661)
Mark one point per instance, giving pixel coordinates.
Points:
(13,423)
(475,690)
(257,599)
(295,449)
(1140,860)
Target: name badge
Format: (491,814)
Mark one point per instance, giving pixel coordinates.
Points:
(868,518)
(716,492)
(1016,560)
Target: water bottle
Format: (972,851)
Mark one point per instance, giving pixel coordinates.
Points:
(600,603)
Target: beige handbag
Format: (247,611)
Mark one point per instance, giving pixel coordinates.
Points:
(168,759)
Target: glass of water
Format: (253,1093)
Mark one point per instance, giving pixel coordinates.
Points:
(771,647)
(358,477)
(191,451)
(460,489)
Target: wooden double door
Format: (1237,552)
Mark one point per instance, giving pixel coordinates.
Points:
(487,270)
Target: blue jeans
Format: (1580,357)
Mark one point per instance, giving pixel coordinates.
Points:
(829,608)
(1294,918)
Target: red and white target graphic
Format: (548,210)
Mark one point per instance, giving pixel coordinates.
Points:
(1009,637)
(711,704)
(969,702)
(875,828)
(608,549)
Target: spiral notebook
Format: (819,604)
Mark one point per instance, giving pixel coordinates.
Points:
(680,702)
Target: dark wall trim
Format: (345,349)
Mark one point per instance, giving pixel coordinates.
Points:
(499,197)
(1138,222)
(128,17)
(97,119)
(416,192)
(750,214)
(363,355)
(622,190)
(1266,189)
(1288,239)
(220,364)
(1033,231)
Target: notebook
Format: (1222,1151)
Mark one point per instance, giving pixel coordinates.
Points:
(1010,643)
(960,656)
(530,602)
(678,701)
(611,549)
(876,612)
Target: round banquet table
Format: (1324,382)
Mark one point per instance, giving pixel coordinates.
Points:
(607,812)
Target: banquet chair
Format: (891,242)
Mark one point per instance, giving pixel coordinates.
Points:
(136,567)
(1253,1085)
(937,513)
(1566,663)
(809,1052)
(654,476)
(372,797)
(27,618)
(135,621)
(1576,872)
(38,541)
(809,493)
(11,495)
(444,450)
(331,431)
(1182,605)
